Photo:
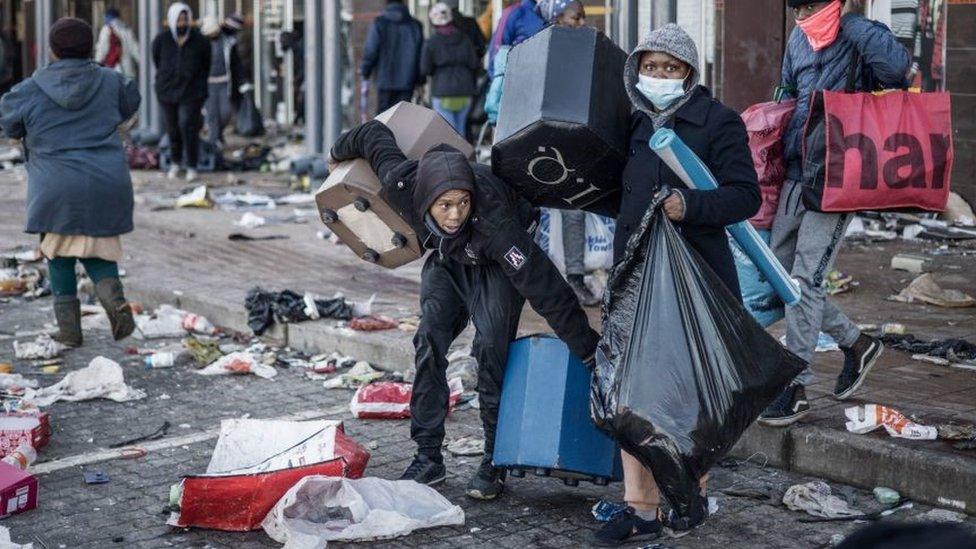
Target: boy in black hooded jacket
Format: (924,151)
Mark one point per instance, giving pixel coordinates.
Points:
(484,266)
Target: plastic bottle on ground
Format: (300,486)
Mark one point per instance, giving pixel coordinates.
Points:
(22,457)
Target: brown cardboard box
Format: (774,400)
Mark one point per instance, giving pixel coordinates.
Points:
(350,201)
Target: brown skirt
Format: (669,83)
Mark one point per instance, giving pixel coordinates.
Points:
(108,248)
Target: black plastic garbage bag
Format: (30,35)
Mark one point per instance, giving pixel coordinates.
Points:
(682,368)
(265,308)
(249,122)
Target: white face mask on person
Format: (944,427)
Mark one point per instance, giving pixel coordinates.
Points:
(661,92)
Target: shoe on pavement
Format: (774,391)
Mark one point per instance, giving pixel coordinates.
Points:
(626,528)
(112,297)
(425,470)
(789,406)
(173,172)
(191,175)
(583,294)
(696,516)
(488,482)
(858,361)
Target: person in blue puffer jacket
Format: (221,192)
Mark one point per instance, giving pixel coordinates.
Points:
(818,57)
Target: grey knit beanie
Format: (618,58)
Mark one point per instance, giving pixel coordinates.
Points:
(672,40)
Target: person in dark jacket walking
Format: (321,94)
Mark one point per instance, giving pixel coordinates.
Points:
(182,59)
(449,59)
(661,77)
(79,194)
(483,267)
(468,27)
(818,57)
(391,60)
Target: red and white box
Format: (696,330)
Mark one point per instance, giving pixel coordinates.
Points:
(18,490)
(19,427)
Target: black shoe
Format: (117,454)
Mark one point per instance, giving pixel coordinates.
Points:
(858,360)
(425,470)
(626,527)
(583,294)
(788,407)
(488,482)
(695,517)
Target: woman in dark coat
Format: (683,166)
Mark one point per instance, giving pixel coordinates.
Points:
(661,77)
(449,59)
(79,195)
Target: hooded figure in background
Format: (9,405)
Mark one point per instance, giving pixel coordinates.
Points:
(391,56)
(226,75)
(79,194)
(483,267)
(662,80)
(182,59)
(117,47)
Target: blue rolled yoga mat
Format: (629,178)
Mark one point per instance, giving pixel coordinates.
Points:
(693,172)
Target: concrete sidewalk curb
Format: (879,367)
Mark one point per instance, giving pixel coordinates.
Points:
(868,461)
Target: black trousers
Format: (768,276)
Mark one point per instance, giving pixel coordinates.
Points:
(387,98)
(450,294)
(183,124)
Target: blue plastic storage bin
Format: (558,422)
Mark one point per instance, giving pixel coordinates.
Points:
(544,424)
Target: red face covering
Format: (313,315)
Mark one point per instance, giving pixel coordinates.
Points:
(822,27)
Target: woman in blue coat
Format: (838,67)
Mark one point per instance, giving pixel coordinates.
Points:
(661,77)
(79,194)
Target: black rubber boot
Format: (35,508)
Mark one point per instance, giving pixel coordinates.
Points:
(110,294)
(67,311)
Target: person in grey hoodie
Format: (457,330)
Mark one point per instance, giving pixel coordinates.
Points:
(806,242)
(79,194)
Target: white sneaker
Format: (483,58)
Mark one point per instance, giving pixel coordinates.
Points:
(191,175)
(173,172)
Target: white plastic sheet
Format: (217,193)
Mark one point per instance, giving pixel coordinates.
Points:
(321,509)
(102,378)
(248,446)
(238,363)
(815,499)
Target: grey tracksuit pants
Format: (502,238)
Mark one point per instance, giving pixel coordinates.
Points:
(219,110)
(806,242)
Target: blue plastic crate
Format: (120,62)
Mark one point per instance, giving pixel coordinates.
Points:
(544,424)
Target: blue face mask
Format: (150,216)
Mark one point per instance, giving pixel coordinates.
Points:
(661,92)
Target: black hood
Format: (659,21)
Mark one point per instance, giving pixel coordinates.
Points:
(396,12)
(441,169)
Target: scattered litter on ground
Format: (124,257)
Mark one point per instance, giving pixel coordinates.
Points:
(6,368)
(886,496)
(409,324)
(22,455)
(464,366)
(320,366)
(941,515)
(391,400)
(22,280)
(242,201)
(926,290)
(102,378)
(360,374)
(893,328)
(867,418)
(16,383)
(815,499)
(96,477)
(944,352)
(157,434)
(199,197)
(168,359)
(837,282)
(169,322)
(467,446)
(240,237)
(373,323)
(254,463)
(41,348)
(912,263)
(605,511)
(320,509)
(5,542)
(251,221)
(204,352)
(238,363)
(949,431)
(264,308)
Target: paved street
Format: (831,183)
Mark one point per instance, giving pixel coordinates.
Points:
(188,252)
(129,511)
